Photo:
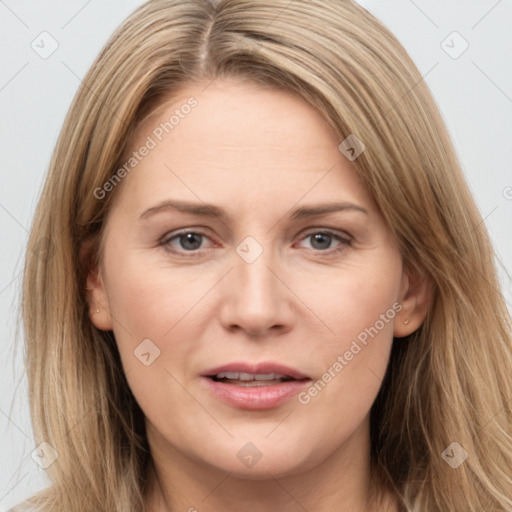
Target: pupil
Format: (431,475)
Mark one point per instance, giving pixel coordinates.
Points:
(190,238)
(319,237)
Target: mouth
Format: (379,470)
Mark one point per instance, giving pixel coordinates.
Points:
(254,386)
(251,379)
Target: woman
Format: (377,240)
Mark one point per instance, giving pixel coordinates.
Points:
(267,284)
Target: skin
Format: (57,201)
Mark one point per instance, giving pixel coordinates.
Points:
(258,154)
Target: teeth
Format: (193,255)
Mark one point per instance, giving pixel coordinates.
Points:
(249,376)
(267,376)
(227,375)
(256,383)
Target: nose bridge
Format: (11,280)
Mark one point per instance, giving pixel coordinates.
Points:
(257,282)
(255,299)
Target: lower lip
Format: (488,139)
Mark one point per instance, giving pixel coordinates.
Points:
(256,397)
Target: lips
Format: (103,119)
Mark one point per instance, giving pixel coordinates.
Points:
(254,385)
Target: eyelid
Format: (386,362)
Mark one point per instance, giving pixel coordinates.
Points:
(330,231)
(183,231)
(343,237)
(166,239)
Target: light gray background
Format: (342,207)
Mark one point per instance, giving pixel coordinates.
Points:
(474,92)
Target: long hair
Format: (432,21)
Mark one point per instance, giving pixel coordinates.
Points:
(448,382)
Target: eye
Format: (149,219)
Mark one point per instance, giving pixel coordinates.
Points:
(192,241)
(321,241)
(186,241)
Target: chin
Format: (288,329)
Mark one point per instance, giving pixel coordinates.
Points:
(261,460)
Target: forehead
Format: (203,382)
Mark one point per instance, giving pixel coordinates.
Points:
(230,137)
(238,114)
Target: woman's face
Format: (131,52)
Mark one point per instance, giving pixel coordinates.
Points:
(250,281)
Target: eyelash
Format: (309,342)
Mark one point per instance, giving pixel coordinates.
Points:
(344,242)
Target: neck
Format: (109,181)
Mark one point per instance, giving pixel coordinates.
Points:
(342,482)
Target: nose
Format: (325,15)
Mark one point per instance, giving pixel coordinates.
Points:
(256,298)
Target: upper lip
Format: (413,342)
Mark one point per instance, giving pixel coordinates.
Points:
(265,367)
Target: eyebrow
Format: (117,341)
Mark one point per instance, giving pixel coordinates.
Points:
(210,210)
(324,208)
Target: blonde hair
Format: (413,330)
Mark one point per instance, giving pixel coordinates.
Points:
(447,382)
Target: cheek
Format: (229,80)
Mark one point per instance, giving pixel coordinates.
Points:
(148,299)
(153,310)
(354,299)
(360,309)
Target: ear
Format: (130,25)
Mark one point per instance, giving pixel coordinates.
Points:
(416,294)
(97,298)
